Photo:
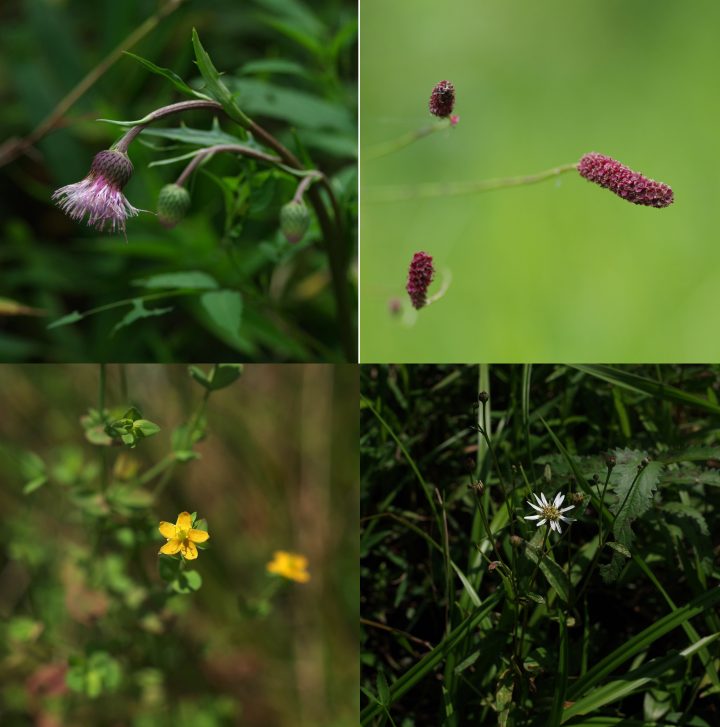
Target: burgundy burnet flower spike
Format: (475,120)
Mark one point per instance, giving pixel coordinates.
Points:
(442,99)
(420,275)
(625,183)
(99,195)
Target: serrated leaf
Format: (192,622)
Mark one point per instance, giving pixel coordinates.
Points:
(620,548)
(611,571)
(688,511)
(70,318)
(215,87)
(171,76)
(193,279)
(195,137)
(634,499)
(137,312)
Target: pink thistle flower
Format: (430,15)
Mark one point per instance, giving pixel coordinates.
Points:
(99,195)
(625,183)
(442,99)
(420,276)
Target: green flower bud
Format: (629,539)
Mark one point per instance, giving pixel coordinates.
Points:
(173,204)
(294,221)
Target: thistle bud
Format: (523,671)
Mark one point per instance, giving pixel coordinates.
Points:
(294,221)
(173,204)
(625,183)
(420,276)
(610,461)
(442,99)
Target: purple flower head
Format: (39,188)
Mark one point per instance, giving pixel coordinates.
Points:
(420,276)
(99,195)
(442,99)
(625,183)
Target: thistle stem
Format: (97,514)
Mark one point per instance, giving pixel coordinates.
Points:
(229,148)
(399,193)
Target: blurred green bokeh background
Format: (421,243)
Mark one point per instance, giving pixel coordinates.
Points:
(562,269)
(278,471)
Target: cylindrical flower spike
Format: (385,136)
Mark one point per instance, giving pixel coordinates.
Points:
(442,99)
(625,183)
(294,221)
(420,276)
(173,204)
(99,195)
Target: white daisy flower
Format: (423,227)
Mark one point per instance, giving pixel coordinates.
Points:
(550,513)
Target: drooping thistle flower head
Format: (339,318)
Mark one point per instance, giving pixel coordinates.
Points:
(294,221)
(625,183)
(420,276)
(173,204)
(442,99)
(99,196)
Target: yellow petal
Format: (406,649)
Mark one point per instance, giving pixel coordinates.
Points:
(301,577)
(198,536)
(299,562)
(184,521)
(167,530)
(171,547)
(188,550)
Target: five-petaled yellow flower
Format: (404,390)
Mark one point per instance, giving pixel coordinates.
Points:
(181,537)
(289,565)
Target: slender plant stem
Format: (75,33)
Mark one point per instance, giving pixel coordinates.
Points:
(223,148)
(14,148)
(518,656)
(388,147)
(305,183)
(399,193)
(101,408)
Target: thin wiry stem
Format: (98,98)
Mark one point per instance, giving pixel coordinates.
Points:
(388,147)
(399,193)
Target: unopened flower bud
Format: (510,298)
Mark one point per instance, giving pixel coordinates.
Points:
(577,498)
(294,221)
(420,276)
(625,183)
(516,540)
(442,99)
(610,461)
(173,204)
(483,397)
(478,486)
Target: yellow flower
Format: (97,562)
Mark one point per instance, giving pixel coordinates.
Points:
(181,537)
(289,565)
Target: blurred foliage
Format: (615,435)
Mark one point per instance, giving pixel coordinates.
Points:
(560,270)
(428,567)
(292,66)
(96,627)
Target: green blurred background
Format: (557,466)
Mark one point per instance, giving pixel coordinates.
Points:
(561,269)
(55,265)
(278,470)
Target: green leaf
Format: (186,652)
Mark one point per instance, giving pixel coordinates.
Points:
(168,567)
(382,689)
(193,279)
(147,428)
(220,376)
(688,511)
(633,489)
(187,581)
(225,310)
(23,629)
(73,317)
(195,137)
(620,548)
(635,680)
(273,65)
(468,662)
(171,76)
(34,484)
(137,312)
(215,87)
(553,573)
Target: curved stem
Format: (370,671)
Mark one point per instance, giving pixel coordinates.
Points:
(399,193)
(231,148)
(305,183)
(388,147)
(175,108)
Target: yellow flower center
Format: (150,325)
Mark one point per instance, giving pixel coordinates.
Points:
(551,512)
(181,535)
